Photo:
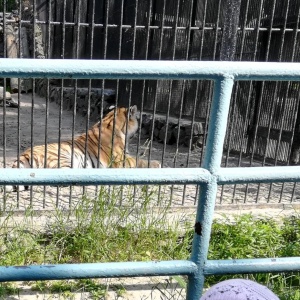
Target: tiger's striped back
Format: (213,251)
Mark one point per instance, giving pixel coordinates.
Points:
(104,143)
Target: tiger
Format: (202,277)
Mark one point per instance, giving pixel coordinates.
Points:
(112,132)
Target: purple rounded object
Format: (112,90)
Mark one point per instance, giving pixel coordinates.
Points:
(239,289)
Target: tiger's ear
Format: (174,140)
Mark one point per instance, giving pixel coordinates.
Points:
(132,111)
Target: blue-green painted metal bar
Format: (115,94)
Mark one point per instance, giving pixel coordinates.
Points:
(258,175)
(208,192)
(257,265)
(217,128)
(96,270)
(103,176)
(135,69)
(152,176)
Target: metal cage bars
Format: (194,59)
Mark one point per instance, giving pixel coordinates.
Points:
(207,178)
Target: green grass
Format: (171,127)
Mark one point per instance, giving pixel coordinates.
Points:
(67,288)
(248,237)
(8,289)
(100,230)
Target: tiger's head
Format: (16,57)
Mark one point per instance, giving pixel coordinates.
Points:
(123,115)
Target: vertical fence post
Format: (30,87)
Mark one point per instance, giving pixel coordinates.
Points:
(230,27)
(212,161)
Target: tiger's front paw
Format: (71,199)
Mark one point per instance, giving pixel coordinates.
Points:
(155,164)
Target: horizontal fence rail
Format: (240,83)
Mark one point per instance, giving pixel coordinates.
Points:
(258,175)
(246,266)
(152,176)
(113,69)
(103,176)
(209,177)
(97,270)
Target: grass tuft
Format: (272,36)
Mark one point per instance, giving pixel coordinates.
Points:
(249,237)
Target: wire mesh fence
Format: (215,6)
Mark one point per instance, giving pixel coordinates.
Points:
(173,115)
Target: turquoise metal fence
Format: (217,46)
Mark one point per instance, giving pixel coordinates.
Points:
(208,177)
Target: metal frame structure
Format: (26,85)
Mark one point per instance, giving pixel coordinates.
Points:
(208,177)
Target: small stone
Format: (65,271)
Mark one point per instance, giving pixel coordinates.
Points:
(197,142)
(11,103)
(7,94)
